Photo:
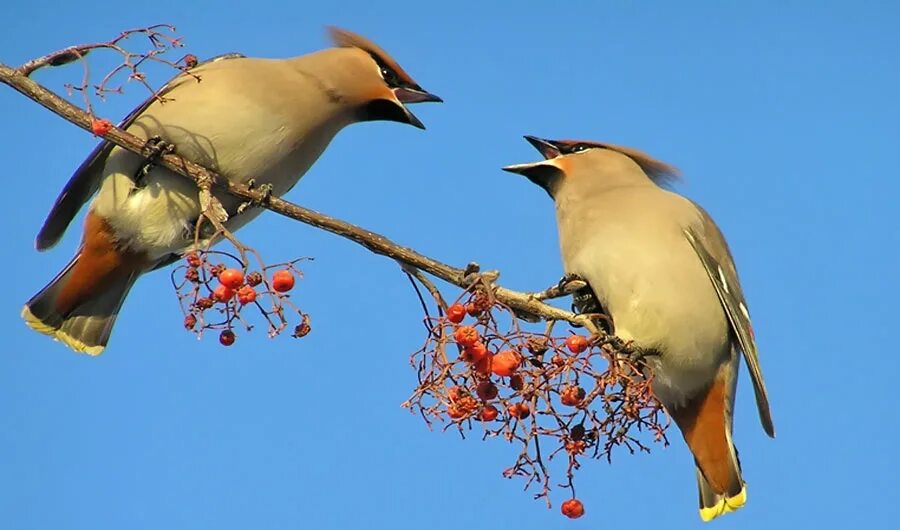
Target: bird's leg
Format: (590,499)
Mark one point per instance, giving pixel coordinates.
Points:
(154,148)
(265,189)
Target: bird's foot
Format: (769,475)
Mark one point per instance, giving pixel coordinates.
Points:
(264,189)
(154,148)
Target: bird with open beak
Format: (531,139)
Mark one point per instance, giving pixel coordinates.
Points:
(660,268)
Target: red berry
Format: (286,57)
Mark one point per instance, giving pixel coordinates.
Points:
(192,275)
(456,313)
(474,353)
(519,410)
(283,281)
(572,395)
(486,390)
(488,413)
(226,338)
(455,393)
(100,127)
(576,343)
(456,412)
(190,60)
(231,278)
(473,309)
(466,336)
(505,363)
(189,322)
(222,293)
(193,260)
(246,295)
(572,508)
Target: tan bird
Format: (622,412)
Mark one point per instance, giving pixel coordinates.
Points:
(262,119)
(659,266)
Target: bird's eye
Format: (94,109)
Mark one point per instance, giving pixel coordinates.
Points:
(579,148)
(389,76)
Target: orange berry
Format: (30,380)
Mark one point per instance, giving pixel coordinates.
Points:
(489,413)
(246,295)
(190,321)
(456,313)
(572,395)
(519,410)
(231,278)
(100,127)
(226,338)
(474,353)
(486,390)
(576,343)
(506,362)
(456,392)
(465,336)
(572,508)
(223,293)
(483,366)
(283,281)
(455,412)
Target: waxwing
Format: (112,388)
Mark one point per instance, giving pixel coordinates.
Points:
(660,268)
(247,118)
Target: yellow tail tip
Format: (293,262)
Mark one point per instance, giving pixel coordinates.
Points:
(38,325)
(725,505)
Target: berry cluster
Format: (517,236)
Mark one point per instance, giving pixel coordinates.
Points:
(571,396)
(205,288)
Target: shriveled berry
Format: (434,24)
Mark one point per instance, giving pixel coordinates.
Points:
(486,390)
(192,275)
(572,508)
(231,278)
(576,343)
(483,366)
(226,338)
(516,382)
(254,278)
(557,360)
(465,336)
(506,363)
(577,432)
(303,328)
(472,309)
(189,322)
(193,260)
(283,281)
(456,313)
(204,303)
(488,413)
(455,412)
(246,295)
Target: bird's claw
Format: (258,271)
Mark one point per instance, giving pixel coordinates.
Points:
(153,149)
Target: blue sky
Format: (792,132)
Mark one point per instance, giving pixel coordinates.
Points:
(783,117)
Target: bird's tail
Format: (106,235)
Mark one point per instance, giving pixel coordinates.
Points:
(84,321)
(714,504)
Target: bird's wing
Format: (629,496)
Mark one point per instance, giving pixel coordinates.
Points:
(87,178)
(711,248)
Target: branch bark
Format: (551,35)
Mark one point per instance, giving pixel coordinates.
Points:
(520,302)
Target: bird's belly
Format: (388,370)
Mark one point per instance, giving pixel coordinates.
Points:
(673,311)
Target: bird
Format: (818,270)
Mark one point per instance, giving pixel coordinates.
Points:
(255,121)
(662,271)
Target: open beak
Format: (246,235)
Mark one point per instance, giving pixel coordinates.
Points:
(545,147)
(544,173)
(407,95)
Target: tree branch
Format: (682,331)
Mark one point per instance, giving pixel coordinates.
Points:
(521,303)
